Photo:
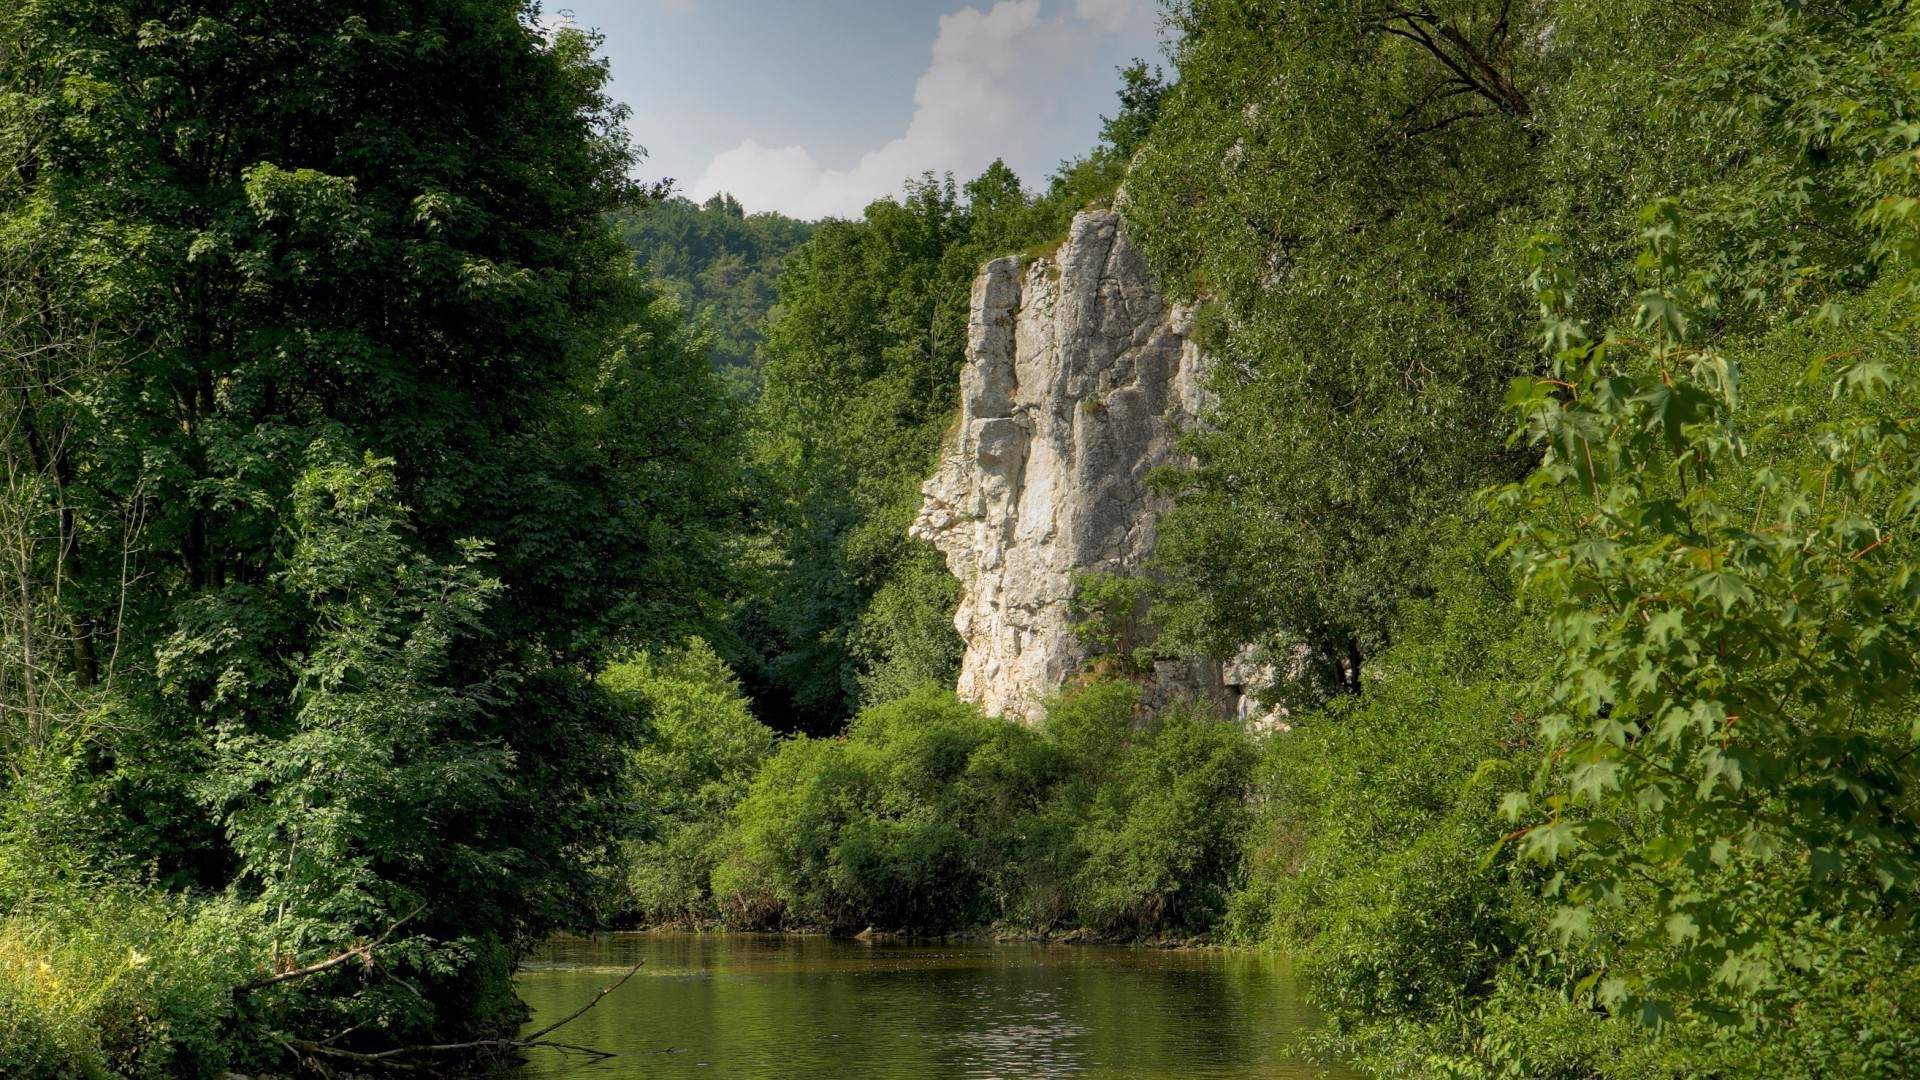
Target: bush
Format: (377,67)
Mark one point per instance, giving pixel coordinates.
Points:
(892,824)
(1375,812)
(1163,822)
(927,816)
(699,748)
(101,976)
(122,984)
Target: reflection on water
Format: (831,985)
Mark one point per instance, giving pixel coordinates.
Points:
(769,1006)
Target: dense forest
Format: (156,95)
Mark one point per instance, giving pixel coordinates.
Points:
(421,537)
(722,263)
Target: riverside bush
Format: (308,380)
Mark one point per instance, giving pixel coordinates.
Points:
(1435,951)
(125,984)
(1375,811)
(928,816)
(698,749)
(99,975)
(890,824)
(1162,813)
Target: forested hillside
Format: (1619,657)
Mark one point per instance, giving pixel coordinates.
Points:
(420,536)
(722,263)
(1563,354)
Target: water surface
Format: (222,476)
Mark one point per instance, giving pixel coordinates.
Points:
(804,1007)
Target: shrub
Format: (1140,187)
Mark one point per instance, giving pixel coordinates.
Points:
(927,816)
(699,748)
(1163,833)
(100,976)
(894,824)
(122,984)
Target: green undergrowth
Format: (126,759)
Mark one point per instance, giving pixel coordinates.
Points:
(126,983)
(1385,857)
(102,975)
(926,816)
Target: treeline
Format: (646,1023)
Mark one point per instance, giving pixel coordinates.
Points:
(722,264)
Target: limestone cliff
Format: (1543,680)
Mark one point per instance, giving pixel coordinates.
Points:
(1079,373)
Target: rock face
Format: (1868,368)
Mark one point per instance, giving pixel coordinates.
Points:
(1079,374)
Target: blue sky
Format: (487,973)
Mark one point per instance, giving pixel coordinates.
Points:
(816,107)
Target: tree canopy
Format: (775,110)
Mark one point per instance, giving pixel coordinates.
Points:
(722,263)
(343,442)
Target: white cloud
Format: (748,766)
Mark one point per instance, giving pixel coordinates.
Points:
(990,70)
(1113,14)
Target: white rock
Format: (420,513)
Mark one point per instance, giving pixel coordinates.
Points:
(1079,375)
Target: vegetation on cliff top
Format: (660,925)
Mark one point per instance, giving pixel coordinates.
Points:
(722,263)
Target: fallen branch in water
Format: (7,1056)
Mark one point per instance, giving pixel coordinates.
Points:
(387,1058)
(604,991)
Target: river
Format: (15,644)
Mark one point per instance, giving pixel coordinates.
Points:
(751,1005)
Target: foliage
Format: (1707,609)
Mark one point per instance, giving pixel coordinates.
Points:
(1112,618)
(99,977)
(1375,812)
(120,985)
(928,816)
(1349,185)
(1732,712)
(1162,834)
(860,375)
(889,826)
(698,749)
(329,813)
(1141,91)
(343,442)
(1709,675)
(722,264)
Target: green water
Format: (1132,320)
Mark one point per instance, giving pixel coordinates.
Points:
(768,1006)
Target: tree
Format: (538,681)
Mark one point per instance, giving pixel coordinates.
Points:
(1341,183)
(722,263)
(863,364)
(385,449)
(1141,92)
(1729,794)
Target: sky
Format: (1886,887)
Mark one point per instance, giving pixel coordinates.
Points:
(815,108)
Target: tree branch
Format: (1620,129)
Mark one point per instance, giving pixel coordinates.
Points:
(361,951)
(604,991)
(1474,67)
(1438,124)
(538,1038)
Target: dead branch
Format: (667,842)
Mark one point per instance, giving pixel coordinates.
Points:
(364,952)
(387,1058)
